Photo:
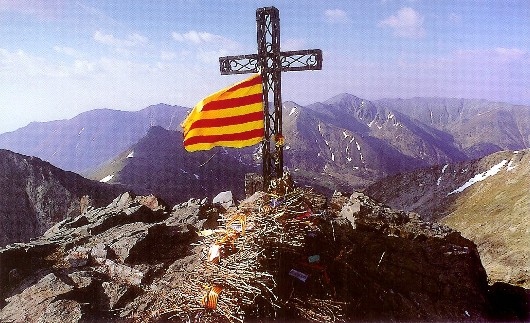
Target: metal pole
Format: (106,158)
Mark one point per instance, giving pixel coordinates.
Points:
(269,62)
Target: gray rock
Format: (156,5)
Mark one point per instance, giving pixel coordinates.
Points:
(381,263)
(114,292)
(224,198)
(121,201)
(99,252)
(351,208)
(78,257)
(32,303)
(64,311)
(81,279)
(120,273)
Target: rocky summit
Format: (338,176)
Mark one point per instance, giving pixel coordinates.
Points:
(290,254)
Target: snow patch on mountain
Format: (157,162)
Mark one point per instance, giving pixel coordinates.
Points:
(440,178)
(480,177)
(106,178)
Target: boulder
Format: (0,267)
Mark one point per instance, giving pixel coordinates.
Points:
(225,199)
(120,273)
(32,303)
(393,266)
(78,257)
(200,214)
(114,292)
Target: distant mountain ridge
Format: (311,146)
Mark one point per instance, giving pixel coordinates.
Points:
(479,127)
(343,143)
(91,138)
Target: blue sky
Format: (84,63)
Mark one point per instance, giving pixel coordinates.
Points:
(62,57)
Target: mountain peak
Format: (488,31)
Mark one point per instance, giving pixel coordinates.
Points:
(343,97)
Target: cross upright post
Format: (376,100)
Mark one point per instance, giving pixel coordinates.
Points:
(270,62)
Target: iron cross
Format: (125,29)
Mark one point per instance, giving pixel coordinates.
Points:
(270,62)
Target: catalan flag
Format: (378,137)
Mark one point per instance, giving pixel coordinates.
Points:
(232,117)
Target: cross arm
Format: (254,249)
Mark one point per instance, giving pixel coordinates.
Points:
(240,64)
(301,60)
(296,60)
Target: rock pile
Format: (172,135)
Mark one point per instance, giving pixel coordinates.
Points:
(290,254)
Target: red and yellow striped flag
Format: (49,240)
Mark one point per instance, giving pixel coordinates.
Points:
(232,117)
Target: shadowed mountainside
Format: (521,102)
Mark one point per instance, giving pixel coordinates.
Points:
(158,164)
(35,195)
(486,199)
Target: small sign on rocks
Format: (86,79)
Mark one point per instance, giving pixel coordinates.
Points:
(297,274)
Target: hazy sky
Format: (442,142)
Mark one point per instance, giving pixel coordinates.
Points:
(61,57)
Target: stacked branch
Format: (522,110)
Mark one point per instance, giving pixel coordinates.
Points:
(236,278)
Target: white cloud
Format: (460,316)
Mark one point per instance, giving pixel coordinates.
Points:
(83,67)
(132,40)
(202,37)
(38,8)
(63,89)
(336,16)
(510,54)
(208,47)
(407,23)
(499,56)
(97,14)
(21,63)
(67,51)
(167,55)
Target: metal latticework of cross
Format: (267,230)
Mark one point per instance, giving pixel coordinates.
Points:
(271,62)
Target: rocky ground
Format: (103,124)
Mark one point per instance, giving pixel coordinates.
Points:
(292,255)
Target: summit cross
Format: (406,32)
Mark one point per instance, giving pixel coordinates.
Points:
(270,62)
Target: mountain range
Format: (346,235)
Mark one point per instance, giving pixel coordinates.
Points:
(91,138)
(479,127)
(344,143)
